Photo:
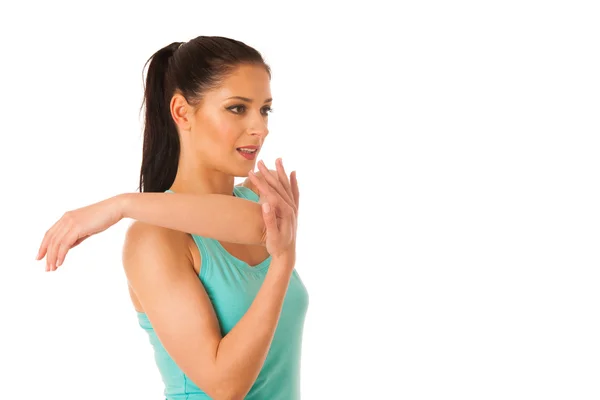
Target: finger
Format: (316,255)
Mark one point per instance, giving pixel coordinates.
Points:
(269,194)
(61,254)
(40,250)
(66,244)
(283,178)
(295,191)
(270,219)
(267,191)
(48,256)
(264,188)
(273,182)
(55,246)
(46,241)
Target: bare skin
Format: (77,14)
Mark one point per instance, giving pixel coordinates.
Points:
(209,138)
(163,274)
(251,254)
(210,215)
(222,132)
(209,160)
(162,265)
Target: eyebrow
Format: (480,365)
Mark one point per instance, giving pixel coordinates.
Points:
(248,100)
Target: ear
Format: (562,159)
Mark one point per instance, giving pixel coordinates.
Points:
(181,112)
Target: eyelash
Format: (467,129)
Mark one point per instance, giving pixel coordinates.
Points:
(268,109)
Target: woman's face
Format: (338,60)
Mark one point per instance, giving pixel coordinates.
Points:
(230,125)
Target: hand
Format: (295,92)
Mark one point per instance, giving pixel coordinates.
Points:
(76,226)
(280,200)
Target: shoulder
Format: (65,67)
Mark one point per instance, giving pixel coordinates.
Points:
(140,234)
(144,242)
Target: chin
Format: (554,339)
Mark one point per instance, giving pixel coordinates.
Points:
(242,172)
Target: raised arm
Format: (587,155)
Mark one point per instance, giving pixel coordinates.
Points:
(210,215)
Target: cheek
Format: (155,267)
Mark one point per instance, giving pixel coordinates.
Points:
(217,143)
(219,134)
(227,135)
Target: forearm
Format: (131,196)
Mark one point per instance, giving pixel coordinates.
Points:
(242,352)
(226,218)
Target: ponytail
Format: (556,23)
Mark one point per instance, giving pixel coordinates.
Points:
(161,141)
(191,68)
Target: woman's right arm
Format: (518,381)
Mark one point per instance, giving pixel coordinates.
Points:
(220,217)
(162,276)
(211,215)
(215,216)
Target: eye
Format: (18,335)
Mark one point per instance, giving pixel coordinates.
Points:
(238,106)
(241,108)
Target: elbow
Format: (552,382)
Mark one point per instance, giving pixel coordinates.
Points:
(228,392)
(225,395)
(232,388)
(226,389)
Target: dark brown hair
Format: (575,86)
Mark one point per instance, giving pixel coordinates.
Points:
(190,68)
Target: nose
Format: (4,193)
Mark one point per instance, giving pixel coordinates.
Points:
(261,132)
(259,127)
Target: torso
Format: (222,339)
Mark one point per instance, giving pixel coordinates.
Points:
(251,254)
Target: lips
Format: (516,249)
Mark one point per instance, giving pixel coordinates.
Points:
(248,152)
(249,147)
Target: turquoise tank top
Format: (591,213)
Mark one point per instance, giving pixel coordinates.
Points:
(232,285)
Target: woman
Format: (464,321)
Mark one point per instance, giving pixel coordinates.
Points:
(222,304)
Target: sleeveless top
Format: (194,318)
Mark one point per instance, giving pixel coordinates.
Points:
(232,285)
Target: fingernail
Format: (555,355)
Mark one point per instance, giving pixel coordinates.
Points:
(266,207)
(58,263)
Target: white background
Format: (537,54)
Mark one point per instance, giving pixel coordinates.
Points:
(448,159)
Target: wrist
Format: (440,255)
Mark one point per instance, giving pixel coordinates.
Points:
(285,259)
(122,202)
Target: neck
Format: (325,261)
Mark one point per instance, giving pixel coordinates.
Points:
(202,180)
